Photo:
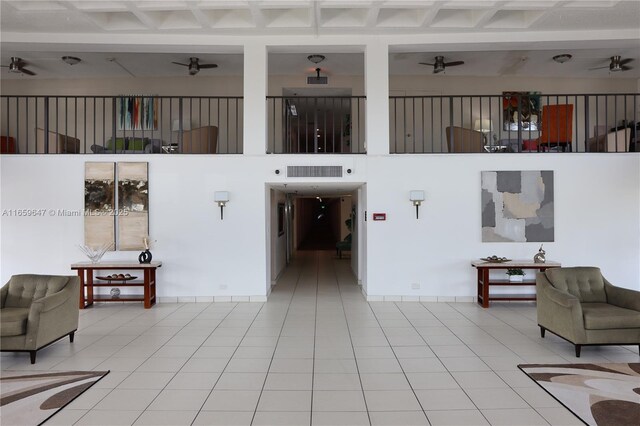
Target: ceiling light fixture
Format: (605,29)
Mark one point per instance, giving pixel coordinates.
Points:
(71,60)
(561,59)
(316,59)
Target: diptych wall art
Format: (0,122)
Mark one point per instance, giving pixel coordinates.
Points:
(99,204)
(517,206)
(131,205)
(133,202)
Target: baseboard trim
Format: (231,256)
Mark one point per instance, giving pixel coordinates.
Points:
(440,299)
(212,299)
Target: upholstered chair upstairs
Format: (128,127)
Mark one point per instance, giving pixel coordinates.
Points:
(37,310)
(581,306)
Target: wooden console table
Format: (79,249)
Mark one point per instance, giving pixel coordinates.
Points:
(485,282)
(86,274)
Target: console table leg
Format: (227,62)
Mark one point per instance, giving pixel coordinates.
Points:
(485,287)
(81,273)
(147,284)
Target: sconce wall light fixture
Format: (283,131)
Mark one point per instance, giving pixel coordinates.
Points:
(416,197)
(221,197)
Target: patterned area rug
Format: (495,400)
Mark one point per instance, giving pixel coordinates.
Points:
(599,394)
(30,399)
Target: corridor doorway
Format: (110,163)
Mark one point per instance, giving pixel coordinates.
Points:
(305,217)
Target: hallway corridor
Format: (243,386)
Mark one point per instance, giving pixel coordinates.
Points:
(315,354)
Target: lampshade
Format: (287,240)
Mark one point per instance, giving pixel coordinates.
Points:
(483,125)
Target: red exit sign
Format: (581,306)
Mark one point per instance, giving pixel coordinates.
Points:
(379,216)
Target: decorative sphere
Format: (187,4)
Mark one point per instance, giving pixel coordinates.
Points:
(115,292)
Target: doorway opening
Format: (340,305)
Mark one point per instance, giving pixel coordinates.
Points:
(305,217)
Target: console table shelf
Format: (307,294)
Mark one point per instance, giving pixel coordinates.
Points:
(485,282)
(86,271)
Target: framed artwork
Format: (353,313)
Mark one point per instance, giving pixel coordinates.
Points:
(133,205)
(521,110)
(517,206)
(99,204)
(137,113)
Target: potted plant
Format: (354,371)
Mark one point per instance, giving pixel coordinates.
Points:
(515,275)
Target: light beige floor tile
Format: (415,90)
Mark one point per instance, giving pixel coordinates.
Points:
(292,366)
(204,365)
(288,381)
(338,401)
(285,401)
(444,399)
(109,417)
(391,400)
(344,418)
(456,418)
(170,365)
(465,364)
(229,400)
(241,381)
(422,365)
(378,365)
(398,418)
(336,381)
(384,381)
(127,399)
(121,364)
(478,379)
(514,417)
(496,398)
(537,397)
(559,416)
(146,380)
(279,418)
(334,366)
(223,418)
(166,418)
(441,380)
(256,365)
(202,381)
(174,399)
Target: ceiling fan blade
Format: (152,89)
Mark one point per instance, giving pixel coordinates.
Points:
(599,68)
(626,61)
(453,64)
(178,63)
(203,66)
(26,71)
(426,63)
(4,66)
(625,68)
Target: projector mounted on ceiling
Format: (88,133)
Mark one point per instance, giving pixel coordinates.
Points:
(317,79)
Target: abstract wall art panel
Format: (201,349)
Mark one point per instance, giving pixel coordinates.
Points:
(99,204)
(133,205)
(517,206)
(137,113)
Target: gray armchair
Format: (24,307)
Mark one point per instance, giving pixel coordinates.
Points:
(37,310)
(581,306)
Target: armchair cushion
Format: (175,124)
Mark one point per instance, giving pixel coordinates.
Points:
(14,321)
(585,283)
(603,316)
(25,289)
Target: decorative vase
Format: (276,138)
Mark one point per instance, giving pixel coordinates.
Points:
(540,256)
(516,278)
(145,257)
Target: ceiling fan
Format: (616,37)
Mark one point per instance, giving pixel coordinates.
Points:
(440,64)
(617,64)
(195,66)
(18,66)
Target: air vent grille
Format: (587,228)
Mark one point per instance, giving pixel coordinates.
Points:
(314,171)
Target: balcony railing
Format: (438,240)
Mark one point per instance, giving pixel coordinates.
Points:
(130,124)
(316,124)
(514,122)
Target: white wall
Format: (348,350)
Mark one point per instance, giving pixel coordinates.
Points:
(597,212)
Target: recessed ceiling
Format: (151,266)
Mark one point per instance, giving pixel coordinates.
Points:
(493,38)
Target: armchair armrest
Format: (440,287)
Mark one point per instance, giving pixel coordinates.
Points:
(561,298)
(50,302)
(3,294)
(622,297)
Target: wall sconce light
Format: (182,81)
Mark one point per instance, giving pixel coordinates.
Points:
(221,197)
(416,197)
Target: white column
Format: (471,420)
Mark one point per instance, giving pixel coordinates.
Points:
(255,105)
(376,81)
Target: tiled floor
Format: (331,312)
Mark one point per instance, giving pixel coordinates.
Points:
(315,353)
